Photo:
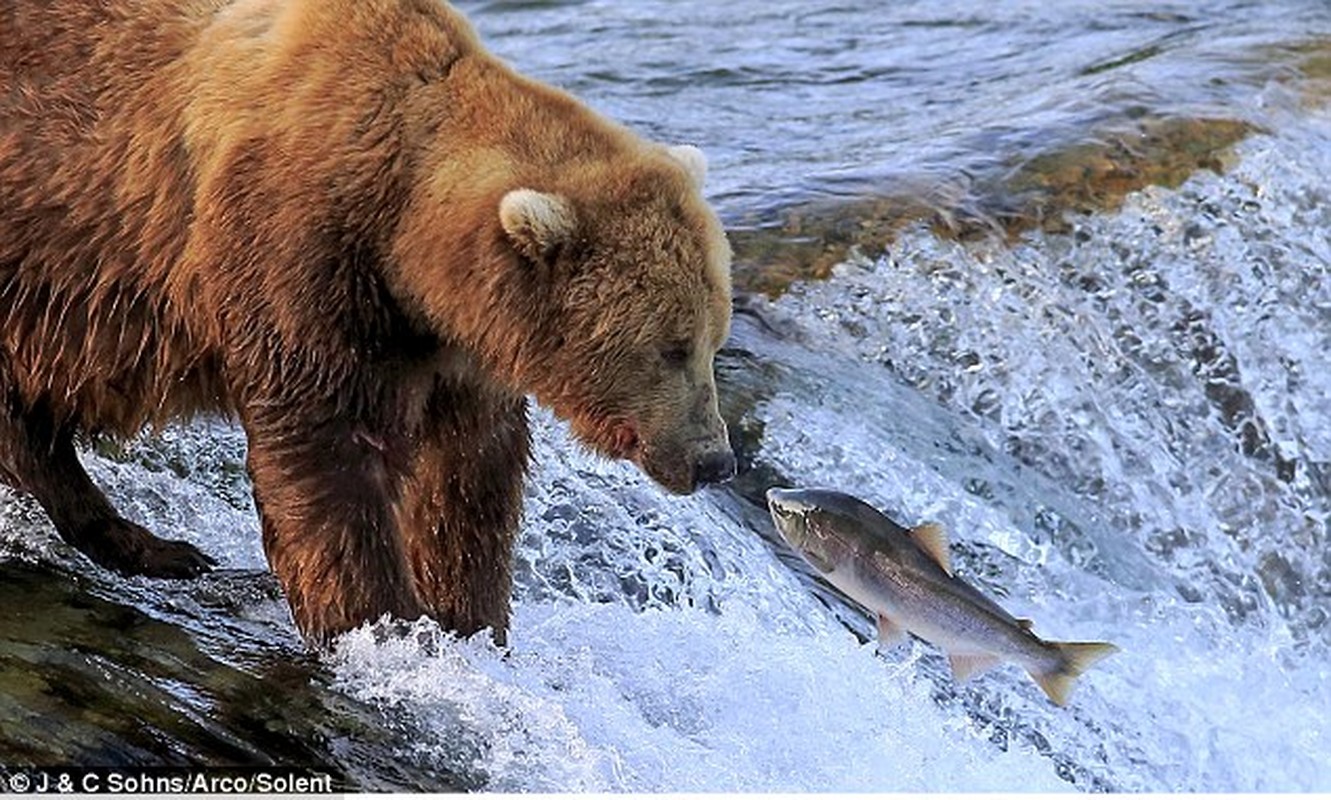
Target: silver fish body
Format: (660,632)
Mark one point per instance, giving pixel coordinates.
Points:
(904,576)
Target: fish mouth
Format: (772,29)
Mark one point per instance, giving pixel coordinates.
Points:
(787,512)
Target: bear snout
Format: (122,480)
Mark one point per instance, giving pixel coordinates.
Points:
(717,466)
(682,467)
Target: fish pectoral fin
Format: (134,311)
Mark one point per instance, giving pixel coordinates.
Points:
(889,633)
(966,665)
(932,539)
(818,562)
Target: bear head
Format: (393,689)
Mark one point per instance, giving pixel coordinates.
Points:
(628,272)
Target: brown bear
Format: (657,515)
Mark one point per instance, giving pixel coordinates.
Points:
(347,224)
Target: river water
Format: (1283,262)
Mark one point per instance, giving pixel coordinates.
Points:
(1124,421)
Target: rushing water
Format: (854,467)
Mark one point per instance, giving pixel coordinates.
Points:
(1125,426)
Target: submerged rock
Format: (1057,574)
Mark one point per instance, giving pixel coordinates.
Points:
(94,682)
(1027,192)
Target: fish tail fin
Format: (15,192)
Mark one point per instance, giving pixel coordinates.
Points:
(1076,658)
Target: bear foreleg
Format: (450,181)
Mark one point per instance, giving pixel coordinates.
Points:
(325,491)
(460,508)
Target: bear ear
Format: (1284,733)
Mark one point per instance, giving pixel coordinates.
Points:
(538,223)
(693,161)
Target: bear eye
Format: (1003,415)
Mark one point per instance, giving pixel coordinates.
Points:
(675,355)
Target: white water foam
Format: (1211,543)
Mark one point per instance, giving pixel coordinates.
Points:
(1106,361)
(604,698)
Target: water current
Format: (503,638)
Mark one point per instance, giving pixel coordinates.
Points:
(1123,419)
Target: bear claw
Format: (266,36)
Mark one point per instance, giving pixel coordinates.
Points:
(129,549)
(174,559)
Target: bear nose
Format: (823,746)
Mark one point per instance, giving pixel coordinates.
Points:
(715,467)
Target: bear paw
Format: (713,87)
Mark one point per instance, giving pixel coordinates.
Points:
(129,549)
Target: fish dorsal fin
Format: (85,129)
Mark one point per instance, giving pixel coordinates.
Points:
(932,539)
(964,665)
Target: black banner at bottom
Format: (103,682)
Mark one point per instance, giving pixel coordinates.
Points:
(167,780)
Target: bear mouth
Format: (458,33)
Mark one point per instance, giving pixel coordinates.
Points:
(612,437)
(624,441)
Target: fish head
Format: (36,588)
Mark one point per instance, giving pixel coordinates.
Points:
(790,513)
(820,524)
(829,527)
